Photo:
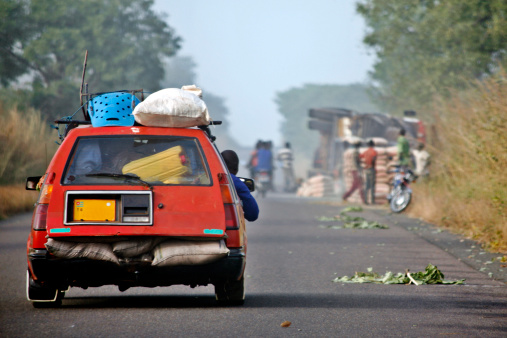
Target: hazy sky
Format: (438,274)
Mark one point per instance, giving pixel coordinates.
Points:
(246,52)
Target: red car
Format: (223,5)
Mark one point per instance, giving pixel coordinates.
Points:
(136,206)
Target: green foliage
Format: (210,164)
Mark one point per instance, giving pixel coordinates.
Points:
(13,33)
(351,209)
(16,98)
(467,191)
(126,41)
(351,222)
(427,47)
(431,275)
(295,103)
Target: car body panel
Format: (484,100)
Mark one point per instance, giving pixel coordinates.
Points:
(183,211)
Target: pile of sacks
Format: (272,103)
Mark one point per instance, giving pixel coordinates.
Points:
(384,176)
(383,165)
(316,186)
(160,251)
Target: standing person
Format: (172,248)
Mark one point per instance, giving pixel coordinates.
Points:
(370,159)
(252,163)
(250,207)
(403,150)
(422,161)
(286,157)
(356,175)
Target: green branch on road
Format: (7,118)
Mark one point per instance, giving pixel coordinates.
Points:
(431,275)
(350,222)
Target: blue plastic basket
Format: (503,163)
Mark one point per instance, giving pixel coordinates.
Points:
(112,109)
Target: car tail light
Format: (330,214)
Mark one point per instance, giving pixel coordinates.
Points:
(45,194)
(41,210)
(39,217)
(226,193)
(231,218)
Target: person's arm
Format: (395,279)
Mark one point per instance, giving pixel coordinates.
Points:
(250,207)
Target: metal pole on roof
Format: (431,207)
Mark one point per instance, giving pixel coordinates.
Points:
(85,113)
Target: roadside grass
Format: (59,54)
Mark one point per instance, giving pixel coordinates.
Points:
(15,199)
(26,145)
(467,191)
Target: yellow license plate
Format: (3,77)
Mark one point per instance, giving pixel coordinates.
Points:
(94,210)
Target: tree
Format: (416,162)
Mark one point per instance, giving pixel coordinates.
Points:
(426,47)
(294,105)
(126,41)
(13,33)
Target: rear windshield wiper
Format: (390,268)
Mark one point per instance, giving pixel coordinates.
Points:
(125,176)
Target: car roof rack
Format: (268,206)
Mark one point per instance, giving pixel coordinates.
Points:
(206,129)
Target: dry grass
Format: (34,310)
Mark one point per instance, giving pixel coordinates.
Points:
(467,192)
(15,199)
(26,145)
(26,141)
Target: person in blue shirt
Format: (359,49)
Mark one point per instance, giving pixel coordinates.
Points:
(250,207)
(265,161)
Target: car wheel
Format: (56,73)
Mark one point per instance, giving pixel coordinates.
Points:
(42,296)
(231,292)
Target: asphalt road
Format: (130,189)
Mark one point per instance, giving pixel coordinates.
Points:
(292,260)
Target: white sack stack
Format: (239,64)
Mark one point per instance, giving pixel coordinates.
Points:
(316,186)
(384,164)
(173,107)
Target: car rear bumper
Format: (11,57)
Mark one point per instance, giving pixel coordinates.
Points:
(84,273)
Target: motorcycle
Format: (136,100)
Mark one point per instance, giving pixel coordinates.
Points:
(401,194)
(262,182)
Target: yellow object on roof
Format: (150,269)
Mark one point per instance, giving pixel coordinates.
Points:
(165,166)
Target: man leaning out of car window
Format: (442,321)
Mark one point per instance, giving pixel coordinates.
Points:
(250,207)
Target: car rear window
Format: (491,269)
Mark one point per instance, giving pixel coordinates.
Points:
(156,160)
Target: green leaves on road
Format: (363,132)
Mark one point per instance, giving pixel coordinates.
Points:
(432,275)
(350,222)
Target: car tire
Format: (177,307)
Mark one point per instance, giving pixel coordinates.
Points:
(42,296)
(231,292)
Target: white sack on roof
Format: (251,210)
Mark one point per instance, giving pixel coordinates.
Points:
(173,107)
